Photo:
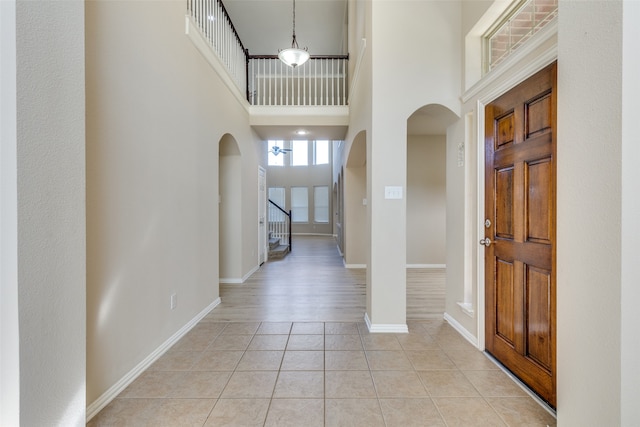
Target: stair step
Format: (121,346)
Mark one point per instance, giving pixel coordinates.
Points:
(274,242)
(279,252)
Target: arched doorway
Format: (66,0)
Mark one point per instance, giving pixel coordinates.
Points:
(230,205)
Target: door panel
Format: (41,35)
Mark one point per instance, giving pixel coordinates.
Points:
(520,149)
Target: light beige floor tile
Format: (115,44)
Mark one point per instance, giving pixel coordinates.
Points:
(428,360)
(308,328)
(302,360)
(200,385)
(231,342)
(417,342)
(345,360)
(268,342)
(380,342)
(181,412)
(447,384)
(471,360)
(194,341)
(342,342)
(494,384)
(453,340)
(125,413)
(260,361)
(296,413)
(152,384)
(250,384)
(241,328)
(341,328)
(385,360)
(305,342)
(398,384)
(300,384)
(410,413)
(218,361)
(467,411)
(211,328)
(238,413)
(274,328)
(176,361)
(521,411)
(353,413)
(348,384)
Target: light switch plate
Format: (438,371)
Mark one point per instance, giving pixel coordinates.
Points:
(392,192)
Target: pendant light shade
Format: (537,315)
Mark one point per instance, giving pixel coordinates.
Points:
(294,55)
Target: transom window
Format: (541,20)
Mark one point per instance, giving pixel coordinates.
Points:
(519,23)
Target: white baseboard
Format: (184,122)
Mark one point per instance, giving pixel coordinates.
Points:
(461,330)
(385,328)
(353,265)
(236,281)
(426,265)
(118,387)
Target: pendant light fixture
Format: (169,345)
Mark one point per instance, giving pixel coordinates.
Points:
(294,56)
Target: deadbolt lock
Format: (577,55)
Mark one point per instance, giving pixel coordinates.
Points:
(487,223)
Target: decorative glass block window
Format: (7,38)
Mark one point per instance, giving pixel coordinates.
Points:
(321,152)
(299,204)
(520,22)
(321,204)
(275,159)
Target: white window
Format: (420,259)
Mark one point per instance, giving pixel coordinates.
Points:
(299,204)
(300,153)
(272,158)
(277,196)
(321,152)
(516,26)
(321,204)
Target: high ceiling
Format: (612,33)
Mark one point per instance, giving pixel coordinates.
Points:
(265,26)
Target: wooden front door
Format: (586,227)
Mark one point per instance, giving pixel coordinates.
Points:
(520,204)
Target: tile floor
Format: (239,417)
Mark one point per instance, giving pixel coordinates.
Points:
(322,374)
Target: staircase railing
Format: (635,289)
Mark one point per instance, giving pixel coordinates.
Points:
(280,224)
(216,26)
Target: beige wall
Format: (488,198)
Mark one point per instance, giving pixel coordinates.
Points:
(156,113)
(426,200)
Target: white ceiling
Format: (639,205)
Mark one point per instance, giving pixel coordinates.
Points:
(264,26)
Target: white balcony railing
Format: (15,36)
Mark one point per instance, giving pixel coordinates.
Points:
(264,79)
(213,21)
(320,81)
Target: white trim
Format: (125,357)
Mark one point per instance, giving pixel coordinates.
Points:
(388,328)
(118,387)
(353,265)
(195,35)
(426,265)
(340,252)
(467,308)
(461,330)
(480,320)
(235,281)
(497,82)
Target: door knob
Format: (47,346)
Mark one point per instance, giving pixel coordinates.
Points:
(485,242)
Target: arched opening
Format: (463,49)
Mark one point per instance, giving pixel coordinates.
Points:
(427,210)
(355,229)
(230,207)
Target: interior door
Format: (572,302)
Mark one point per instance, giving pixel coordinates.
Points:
(262,216)
(520,191)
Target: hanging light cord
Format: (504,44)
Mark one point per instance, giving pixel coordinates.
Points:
(295,41)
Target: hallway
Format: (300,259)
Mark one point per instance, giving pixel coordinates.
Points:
(289,347)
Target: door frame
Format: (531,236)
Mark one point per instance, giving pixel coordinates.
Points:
(262,251)
(493,91)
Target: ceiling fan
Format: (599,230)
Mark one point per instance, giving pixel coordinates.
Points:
(275,150)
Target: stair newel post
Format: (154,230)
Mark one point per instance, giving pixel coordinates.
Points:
(290,232)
